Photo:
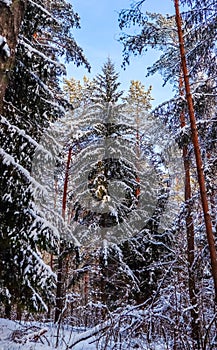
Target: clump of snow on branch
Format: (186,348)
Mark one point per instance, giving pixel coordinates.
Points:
(4,48)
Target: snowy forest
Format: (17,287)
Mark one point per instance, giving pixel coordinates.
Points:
(107,205)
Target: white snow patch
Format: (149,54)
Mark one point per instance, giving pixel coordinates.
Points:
(47,341)
(4,47)
(43,336)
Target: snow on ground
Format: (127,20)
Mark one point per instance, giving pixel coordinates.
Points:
(28,331)
(47,341)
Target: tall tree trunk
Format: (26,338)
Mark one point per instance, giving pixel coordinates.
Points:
(138,145)
(62,255)
(65,189)
(195,326)
(11,16)
(197,151)
(59,296)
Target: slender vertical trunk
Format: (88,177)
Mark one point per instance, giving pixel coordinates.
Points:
(137,152)
(190,234)
(65,189)
(197,151)
(8,310)
(60,273)
(86,296)
(10,21)
(59,296)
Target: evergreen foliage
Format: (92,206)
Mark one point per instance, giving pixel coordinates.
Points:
(106,85)
(90,191)
(32,100)
(79,94)
(119,189)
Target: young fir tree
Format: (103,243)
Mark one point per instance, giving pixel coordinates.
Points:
(109,150)
(106,85)
(32,99)
(103,124)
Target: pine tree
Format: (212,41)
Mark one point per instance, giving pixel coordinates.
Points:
(141,253)
(139,97)
(79,93)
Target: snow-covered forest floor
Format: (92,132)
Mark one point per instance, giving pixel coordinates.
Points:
(26,336)
(16,335)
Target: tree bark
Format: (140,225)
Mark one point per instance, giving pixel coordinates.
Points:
(59,290)
(11,16)
(197,151)
(195,325)
(65,189)
(60,293)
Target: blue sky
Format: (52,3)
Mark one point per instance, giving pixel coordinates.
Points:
(98,38)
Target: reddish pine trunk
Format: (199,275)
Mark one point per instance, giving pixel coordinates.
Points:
(60,274)
(197,151)
(190,234)
(59,292)
(10,22)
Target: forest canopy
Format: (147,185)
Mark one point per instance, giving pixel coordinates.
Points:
(108,205)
